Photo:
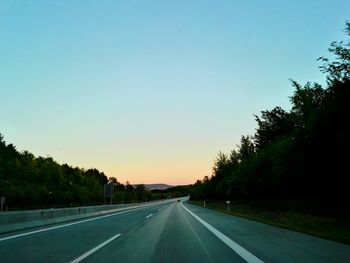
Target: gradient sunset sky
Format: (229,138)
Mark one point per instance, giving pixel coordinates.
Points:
(151,91)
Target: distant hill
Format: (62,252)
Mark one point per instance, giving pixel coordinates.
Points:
(157,186)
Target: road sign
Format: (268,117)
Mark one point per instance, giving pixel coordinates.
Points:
(2,203)
(108,190)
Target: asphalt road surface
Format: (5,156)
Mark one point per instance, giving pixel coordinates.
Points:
(169,232)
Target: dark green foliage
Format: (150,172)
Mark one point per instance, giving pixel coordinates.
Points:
(338,70)
(271,126)
(36,182)
(300,155)
(30,182)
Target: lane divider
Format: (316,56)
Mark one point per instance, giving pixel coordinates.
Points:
(149,215)
(241,251)
(88,253)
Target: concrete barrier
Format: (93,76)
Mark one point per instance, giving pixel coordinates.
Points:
(17,220)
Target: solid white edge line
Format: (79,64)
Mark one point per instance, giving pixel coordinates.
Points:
(69,224)
(241,251)
(149,215)
(88,253)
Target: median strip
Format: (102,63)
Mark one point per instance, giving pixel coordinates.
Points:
(241,251)
(88,253)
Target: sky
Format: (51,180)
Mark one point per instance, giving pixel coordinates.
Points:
(151,91)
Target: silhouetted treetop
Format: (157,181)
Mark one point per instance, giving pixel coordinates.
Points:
(339,68)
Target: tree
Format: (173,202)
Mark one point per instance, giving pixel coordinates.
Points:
(141,192)
(338,70)
(221,165)
(306,101)
(272,125)
(246,148)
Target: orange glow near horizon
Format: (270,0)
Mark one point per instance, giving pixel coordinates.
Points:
(168,172)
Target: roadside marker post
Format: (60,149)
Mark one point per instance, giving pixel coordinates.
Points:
(228,206)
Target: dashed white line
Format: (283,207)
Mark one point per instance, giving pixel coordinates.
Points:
(88,253)
(149,215)
(65,225)
(241,251)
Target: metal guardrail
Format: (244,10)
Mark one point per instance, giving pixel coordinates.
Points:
(16,220)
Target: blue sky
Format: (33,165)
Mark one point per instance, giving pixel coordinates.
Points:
(150,91)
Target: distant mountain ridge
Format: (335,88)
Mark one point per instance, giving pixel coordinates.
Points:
(157,186)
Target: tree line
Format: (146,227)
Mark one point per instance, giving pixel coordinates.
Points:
(298,156)
(29,182)
(35,182)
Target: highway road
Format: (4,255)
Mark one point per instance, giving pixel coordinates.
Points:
(167,232)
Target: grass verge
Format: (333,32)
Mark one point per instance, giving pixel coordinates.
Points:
(325,227)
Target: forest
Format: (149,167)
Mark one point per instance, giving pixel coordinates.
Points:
(298,158)
(29,182)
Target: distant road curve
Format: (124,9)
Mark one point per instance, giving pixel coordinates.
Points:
(171,232)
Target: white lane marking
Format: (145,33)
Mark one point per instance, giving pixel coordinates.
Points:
(65,225)
(149,215)
(85,255)
(241,251)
